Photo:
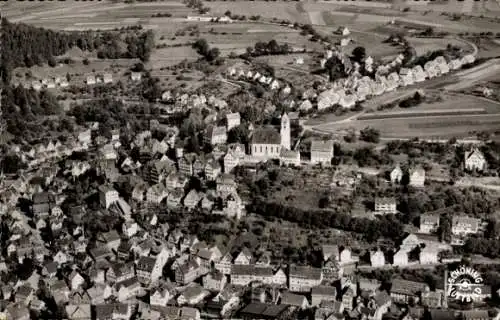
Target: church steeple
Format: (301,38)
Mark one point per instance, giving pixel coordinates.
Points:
(285,131)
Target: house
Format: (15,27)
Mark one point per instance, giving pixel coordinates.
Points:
(400,258)
(120,272)
(377,258)
(348,298)
(302,279)
(429,223)
(419,74)
(24,295)
(118,311)
(330,252)
(174,198)
(212,169)
(474,160)
(135,76)
(244,257)
(192,295)
(186,164)
(75,280)
(385,205)
(43,203)
(321,152)
(242,274)
(156,193)
(128,289)
(216,135)
(107,196)
(295,300)
(226,185)
(432,299)
(428,255)
(464,225)
(404,291)
(188,272)
(289,158)
(233,120)
(78,311)
(322,293)
(214,281)
(417,177)
(264,311)
(396,174)
(406,77)
(91,80)
(160,297)
(110,239)
(107,78)
(224,265)
(192,199)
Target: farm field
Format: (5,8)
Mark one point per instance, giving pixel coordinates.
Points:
(426,127)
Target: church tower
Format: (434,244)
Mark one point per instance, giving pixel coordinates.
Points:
(285,131)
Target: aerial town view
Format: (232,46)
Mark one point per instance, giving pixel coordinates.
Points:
(250,159)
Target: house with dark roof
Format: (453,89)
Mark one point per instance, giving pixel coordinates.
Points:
(303,279)
(404,291)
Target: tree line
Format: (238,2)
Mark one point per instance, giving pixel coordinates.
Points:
(25,46)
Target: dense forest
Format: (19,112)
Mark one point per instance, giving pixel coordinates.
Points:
(25,46)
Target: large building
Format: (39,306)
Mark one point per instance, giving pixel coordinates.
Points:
(321,152)
(267,142)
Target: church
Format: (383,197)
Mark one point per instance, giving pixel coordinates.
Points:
(267,143)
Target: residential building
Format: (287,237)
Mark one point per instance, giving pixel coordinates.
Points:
(135,76)
(214,281)
(107,196)
(385,205)
(188,272)
(377,258)
(232,120)
(294,300)
(417,177)
(429,255)
(216,135)
(322,293)
(404,291)
(321,152)
(396,174)
(289,158)
(400,258)
(464,225)
(474,160)
(429,223)
(244,274)
(302,279)
(245,257)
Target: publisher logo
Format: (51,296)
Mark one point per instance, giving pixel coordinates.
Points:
(465,284)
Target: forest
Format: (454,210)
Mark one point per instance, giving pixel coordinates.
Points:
(25,46)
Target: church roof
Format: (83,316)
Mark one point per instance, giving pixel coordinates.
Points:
(266,135)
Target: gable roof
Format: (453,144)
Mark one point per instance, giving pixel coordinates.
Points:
(266,135)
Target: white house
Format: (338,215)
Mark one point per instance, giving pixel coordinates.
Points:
(396,174)
(417,177)
(474,160)
(464,225)
(385,205)
(321,152)
(377,258)
(429,223)
(233,120)
(107,196)
(135,76)
(400,258)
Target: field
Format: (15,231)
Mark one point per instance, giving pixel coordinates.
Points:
(455,116)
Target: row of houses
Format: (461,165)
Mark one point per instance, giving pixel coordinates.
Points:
(254,76)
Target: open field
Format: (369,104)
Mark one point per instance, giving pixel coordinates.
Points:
(426,127)
(456,115)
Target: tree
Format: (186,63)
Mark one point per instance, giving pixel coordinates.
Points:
(370,135)
(358,54)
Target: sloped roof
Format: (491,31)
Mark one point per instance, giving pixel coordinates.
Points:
(266,135)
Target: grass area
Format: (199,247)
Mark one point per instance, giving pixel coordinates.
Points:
(278,10)
(427,127)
